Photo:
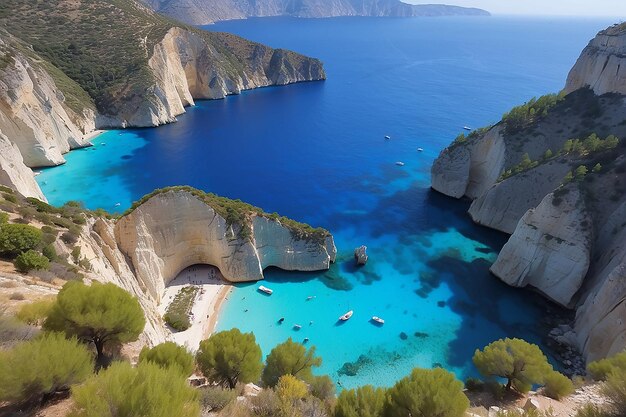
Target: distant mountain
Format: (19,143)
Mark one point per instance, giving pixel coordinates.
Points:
(201,12)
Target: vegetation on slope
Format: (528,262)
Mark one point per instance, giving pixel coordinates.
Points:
(240,214)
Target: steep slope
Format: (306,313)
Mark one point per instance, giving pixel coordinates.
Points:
(202,12)
(87,64)
(552,173)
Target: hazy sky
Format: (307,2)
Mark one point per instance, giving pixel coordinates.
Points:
(610,8)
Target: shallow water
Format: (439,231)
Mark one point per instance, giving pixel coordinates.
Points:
(316,152)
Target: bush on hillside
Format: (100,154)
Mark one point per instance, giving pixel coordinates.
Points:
(557,385)
(366,401)
(427,393)
(229,357)
(169,355)
(290,358)
(147,390)
(216,398)
(600,369)
(18,238)
(522,364)
(34,370)
(614,390)
(31,260)
(35,313)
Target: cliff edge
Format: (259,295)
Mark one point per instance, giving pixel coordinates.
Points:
(552,173)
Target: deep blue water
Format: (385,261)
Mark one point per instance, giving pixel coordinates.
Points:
(316,152)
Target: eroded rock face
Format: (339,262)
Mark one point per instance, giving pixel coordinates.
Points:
(186,66)
(32,112)
(602,64)
(550,248)
(174,230)
(13,172)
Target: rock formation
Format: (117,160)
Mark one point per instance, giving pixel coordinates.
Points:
(559,199)
(203,12)
(175,228)
(360,255)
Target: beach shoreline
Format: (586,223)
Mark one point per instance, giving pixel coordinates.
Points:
(213,290)
(88,137)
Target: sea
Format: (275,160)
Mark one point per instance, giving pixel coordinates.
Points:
(317,152)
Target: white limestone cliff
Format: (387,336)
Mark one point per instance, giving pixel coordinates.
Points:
(32,112)
(175,229)
(550,248)
(13,173)
(602,64)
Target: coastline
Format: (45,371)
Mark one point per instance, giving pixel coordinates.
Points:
(88,137)
(217,309)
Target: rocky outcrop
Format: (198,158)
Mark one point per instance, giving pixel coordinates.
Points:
(602,64)
(33,114)
(176,229)
(550,248)
(202,12)
(188,65)
(13,172)
(567,241)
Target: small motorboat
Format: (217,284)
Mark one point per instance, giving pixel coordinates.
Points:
(306,339)
(117,204)
(266,290)
(400,164)
(280,321)
(346,316)
(467,128)
(310,297)
(297,327)
(387,137)
(378,320)
(420,149)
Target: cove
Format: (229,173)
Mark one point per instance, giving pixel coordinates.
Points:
(316,152)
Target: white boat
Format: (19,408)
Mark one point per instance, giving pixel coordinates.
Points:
(387,137)
(400,164)
(265,290)
(117,204)
(310,297)
(420,149)
(297,327)
(378,320)
(346,316)
(467,128)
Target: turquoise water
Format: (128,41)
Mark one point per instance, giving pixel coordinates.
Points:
(316,152)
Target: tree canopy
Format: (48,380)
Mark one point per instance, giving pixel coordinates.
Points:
(99,314)
(522,364)
(290,358)
(427,393)
(18,238)
(124,391)
(33,370)
(365,401)
(169,355)
(229,357)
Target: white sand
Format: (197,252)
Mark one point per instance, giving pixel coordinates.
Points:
(213,290)
(92,135)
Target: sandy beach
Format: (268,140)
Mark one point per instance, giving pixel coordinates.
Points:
(92,135)
(213,290)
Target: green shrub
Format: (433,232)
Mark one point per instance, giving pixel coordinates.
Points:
(366,401)
(35,313)
(98,314)
(169,355)
(427,393)
(69,238)
(591,410)
(266,404)
(177,314)
(31,371)
(474,384)
(147,390)
(322,387)
(522,364)
(600,369)
(290,358)
(557,385)
(521,116)
(229,357)
(31,260)
(18,238)
(50,252)
(4,217)
(10,198)
(614,390)
(216,398)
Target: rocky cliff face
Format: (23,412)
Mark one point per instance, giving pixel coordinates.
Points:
(202,12)
(13,172)
(147,248)
(187,65)
(602,64)
(176,229)
(565,239)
